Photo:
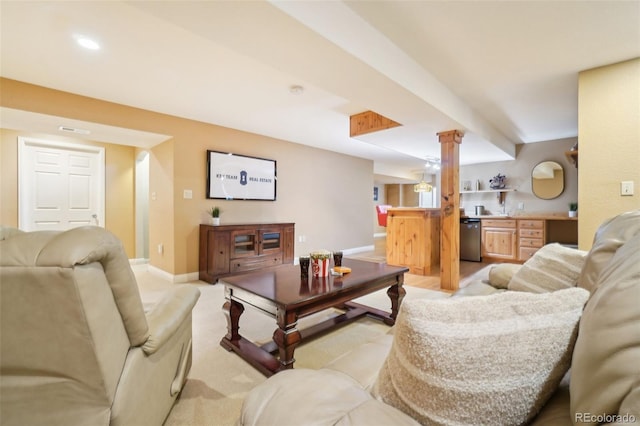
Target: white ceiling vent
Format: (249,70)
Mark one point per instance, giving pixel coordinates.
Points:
(74,130)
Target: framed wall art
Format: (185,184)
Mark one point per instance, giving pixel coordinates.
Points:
(240,177)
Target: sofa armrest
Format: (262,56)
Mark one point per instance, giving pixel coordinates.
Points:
(168,314)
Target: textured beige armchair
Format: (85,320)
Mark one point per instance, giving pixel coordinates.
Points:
(77,347)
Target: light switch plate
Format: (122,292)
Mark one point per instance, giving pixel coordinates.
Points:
(187,194)
(626,188)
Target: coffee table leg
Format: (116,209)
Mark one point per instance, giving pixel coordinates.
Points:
(232,311)
(287,338)
(396,293)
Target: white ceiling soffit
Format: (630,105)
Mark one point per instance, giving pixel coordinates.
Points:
(49,124)
(341,25)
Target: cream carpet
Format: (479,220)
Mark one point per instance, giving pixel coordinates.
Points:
(219,380)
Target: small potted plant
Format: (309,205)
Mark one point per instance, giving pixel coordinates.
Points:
(215,215)
(573,209)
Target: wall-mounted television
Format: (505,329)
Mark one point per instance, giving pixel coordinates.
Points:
(240,177)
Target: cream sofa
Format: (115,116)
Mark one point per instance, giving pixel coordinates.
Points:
(78,347)
(601,352)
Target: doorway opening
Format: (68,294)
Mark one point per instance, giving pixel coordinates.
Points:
(142,207)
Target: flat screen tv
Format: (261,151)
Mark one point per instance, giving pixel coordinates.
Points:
(240,177)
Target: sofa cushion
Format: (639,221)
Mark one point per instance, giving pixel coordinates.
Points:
(605,374)
(552,268)
(610,236)
(501,274)
(494,358)
(318,397)
(363,363)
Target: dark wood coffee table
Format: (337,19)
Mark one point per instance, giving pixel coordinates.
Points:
(282,294)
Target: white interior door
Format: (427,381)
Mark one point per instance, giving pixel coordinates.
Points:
(60,185)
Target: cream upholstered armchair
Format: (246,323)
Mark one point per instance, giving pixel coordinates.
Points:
(77,347)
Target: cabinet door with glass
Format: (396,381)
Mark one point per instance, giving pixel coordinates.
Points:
(244,243)
(270,240)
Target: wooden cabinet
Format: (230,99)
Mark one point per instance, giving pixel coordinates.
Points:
(499,239)
(232,249)
(531,236)
(413,239)
(516,240)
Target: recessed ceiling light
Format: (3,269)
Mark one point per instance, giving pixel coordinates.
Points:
(87,43)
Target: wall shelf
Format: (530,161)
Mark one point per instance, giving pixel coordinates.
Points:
(501,192)
(572,156)
(489,190)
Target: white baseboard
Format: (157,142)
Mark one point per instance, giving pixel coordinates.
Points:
(358,249)
(176,279)
(379,235)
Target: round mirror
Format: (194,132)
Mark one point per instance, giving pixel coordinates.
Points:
(547,180)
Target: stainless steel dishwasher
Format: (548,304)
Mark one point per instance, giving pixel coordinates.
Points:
(470,239)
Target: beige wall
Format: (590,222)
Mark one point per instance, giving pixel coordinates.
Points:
(518,173)
(609,152)
(327,195)
(119,179)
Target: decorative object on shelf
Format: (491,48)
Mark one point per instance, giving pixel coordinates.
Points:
(466,185)
(573,209)
(215,215)
(497,182)
(320,263)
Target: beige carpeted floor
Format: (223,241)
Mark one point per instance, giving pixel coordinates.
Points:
(219,380)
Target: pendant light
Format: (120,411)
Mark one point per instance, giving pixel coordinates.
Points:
(423,186)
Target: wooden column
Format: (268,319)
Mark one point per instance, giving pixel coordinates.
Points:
(450,209)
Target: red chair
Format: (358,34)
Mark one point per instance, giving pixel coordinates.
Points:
(382,214)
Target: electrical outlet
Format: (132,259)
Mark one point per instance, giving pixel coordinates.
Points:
(187,194)
(626,188)
(160,248)
(521,206)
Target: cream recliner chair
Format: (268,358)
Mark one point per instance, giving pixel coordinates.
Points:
(77,347)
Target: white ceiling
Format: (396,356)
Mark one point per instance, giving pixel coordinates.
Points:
(503,72)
